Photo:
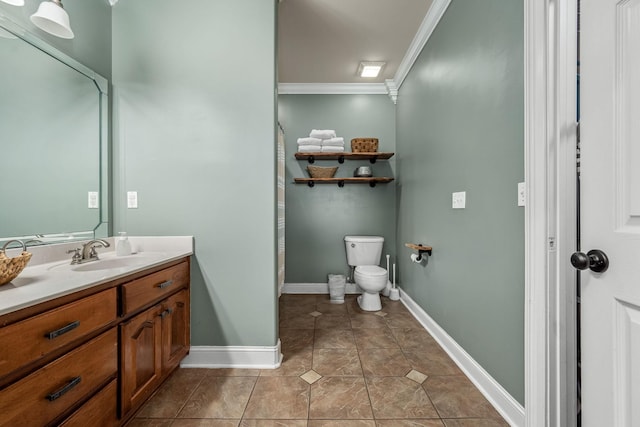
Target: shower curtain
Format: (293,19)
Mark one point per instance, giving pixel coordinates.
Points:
(280,209)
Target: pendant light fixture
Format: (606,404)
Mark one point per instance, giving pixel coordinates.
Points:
(53,19)
(14,2)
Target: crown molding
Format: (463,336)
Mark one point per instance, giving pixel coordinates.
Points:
(390,86)
(392,90)
(332,89)
(429,23)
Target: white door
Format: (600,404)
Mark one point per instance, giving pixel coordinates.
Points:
(610,151)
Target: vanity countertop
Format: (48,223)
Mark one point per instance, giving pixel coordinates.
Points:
(49,275)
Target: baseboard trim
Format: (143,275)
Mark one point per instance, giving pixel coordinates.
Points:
(241,357)
(314,288)
(504,403)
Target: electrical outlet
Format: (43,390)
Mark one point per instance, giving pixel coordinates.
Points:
(459,200)
(93,200)
(521,194)
(132,199)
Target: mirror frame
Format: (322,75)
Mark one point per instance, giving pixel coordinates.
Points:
(102,84)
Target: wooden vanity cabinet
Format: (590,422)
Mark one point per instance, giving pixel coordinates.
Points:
(44,336)
(99,411)
(141,358)
(92,358)
(156,339)
(176,333)
(45,395)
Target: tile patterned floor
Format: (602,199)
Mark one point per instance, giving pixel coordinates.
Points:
(342,368)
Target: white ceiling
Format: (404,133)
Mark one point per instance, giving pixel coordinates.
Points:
(323,41)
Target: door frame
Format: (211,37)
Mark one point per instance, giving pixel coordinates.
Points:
(550,57)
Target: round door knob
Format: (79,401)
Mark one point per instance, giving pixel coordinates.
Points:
(595,260)
(580,260)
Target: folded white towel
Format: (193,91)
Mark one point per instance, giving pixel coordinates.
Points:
(309,148)
(332,149)
(322,133)
(309,141)
(339,141)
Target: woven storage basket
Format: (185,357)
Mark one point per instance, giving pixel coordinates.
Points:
(364,145)
(321,172)
(11,267)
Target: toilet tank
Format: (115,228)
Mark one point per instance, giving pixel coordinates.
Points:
(363,250)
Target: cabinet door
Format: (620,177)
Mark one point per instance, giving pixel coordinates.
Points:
(141,358)
(175,330)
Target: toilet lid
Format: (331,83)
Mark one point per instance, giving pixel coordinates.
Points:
(371,270)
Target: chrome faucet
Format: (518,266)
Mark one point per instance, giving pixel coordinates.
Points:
(88,251)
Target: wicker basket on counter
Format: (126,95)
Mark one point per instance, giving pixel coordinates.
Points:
(364,145)
(322,172)
(11,267)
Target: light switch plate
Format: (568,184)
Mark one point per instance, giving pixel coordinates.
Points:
(132,199)
(521,194)
(459,200)
(92,202)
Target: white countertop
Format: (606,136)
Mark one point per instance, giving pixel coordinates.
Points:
(49,274)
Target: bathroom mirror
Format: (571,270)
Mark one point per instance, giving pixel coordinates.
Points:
(53,142)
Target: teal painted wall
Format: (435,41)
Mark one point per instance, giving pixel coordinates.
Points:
(194,135)
(90,22)
(460,128)
(318,218)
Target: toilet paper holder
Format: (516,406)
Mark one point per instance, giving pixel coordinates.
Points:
(420,248)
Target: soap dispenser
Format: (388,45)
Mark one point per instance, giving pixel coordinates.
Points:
(123,247)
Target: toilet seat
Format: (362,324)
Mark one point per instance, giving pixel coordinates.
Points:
(371,270)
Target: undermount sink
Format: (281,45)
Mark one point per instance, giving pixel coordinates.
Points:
(111,263)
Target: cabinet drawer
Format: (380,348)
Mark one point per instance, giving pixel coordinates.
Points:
(49,392)
(29,340)
(100,411)
(152,288)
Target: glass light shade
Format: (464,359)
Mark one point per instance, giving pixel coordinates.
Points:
(14,2)
(53,19)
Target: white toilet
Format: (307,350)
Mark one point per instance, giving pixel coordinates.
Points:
(363,253)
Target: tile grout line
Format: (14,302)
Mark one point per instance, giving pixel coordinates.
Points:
(313,350)
(244,411)
(364,378)
(175,416)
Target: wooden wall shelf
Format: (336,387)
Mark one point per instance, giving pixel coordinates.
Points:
(420,248)
(342,181)
(341,157)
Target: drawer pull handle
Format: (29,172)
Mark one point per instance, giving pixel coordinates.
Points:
(165,313)
(57,394)
(54,334)
(165,284)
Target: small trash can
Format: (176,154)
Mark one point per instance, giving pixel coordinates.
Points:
(337,284)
